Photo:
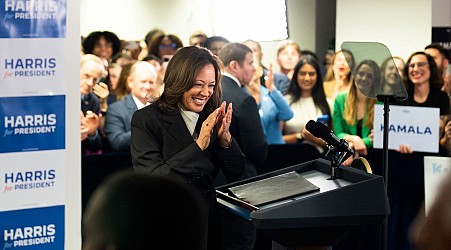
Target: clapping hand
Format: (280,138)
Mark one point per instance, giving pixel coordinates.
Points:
(223,119)
(89,124)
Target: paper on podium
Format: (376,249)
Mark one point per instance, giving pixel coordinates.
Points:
(273,189)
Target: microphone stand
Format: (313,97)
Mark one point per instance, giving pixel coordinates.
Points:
(386,99)
(337,155)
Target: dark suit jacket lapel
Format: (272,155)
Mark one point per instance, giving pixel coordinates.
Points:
(177,128)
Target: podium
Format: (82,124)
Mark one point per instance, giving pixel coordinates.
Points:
(318,218)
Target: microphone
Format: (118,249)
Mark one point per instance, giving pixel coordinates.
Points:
(320,130)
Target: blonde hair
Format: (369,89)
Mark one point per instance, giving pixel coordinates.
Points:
(350,109)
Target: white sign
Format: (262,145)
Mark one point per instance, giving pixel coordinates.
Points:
(416,127)
(435,171)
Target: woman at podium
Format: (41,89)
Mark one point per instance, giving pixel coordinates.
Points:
(186,131)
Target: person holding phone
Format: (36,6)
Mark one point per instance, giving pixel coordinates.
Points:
(308,101)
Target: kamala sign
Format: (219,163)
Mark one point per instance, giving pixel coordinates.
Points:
(416,127)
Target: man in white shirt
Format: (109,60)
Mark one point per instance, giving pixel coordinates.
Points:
(142,83)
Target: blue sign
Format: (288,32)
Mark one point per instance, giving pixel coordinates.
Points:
(37,228)
(33,19)
(32,123)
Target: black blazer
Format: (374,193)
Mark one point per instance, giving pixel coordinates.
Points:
(246,125)
(162,144)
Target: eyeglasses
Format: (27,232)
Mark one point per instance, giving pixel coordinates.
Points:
(419,64)
(168,46)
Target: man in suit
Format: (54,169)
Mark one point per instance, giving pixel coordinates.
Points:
(91,69)
(246,128)
(142,83)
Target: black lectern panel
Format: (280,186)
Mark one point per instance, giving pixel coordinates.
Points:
(319,218)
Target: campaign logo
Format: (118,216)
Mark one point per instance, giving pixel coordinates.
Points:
(28,67)
(32,123)
(39,228)
(28,180)
(408,129)
(33,19)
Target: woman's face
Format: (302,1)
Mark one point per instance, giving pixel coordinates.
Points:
(391,73)
(364,79)
(340,66)
(307,78)
(198,95)
(166,47)
(103,49)
(419,70)
(288,58)
(114,74)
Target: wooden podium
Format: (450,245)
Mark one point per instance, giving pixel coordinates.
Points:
(318,218)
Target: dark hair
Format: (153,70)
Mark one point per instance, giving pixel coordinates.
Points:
(310,53)
(137,210)
(318,95)
(119,55)
(154,48)
(151,34)
(181,73)
(440,48)
(435,79)
(210,40)
(91,40)
(233,52)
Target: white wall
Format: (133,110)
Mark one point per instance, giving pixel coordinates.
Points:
(404,26)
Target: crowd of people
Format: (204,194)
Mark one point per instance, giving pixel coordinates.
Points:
(207,112)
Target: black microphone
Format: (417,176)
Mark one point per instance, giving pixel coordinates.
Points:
(320,130)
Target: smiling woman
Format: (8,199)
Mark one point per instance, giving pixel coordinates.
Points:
(186,131)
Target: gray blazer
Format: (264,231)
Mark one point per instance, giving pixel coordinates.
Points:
(118,123)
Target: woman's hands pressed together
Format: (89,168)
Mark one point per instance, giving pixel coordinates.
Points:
(221,117)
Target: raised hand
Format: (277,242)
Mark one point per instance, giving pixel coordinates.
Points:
(224,120)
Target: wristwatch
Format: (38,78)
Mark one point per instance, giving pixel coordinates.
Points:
(299,136)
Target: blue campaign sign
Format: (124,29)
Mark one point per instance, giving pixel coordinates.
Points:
(37,228)
(33,19)
(32,123)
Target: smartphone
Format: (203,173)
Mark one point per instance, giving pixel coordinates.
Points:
(323,119)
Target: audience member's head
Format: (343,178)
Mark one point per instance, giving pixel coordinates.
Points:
(104,44)
(420,62)
(238,61)
(392,72)
(197,38)
(140,211)
(122,58)
(368,77)
(215,43)
(440,56)
(122,89)
(114,71)
(91,70)
(288,55)
(142,81)
(152,34)
(165,45)
(256,49)
(342,63)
